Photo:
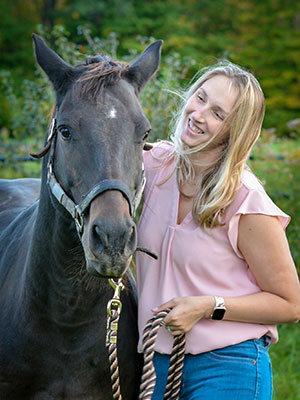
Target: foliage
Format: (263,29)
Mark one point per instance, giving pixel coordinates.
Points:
(16,24)
(268,39)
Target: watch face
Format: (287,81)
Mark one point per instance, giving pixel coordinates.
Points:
(218,314)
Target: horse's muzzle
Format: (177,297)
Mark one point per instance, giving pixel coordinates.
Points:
(109,244)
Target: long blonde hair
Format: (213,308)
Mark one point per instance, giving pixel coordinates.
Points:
(221,181)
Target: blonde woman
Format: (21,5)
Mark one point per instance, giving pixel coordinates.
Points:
(224,269)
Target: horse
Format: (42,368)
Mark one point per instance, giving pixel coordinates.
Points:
(62,236)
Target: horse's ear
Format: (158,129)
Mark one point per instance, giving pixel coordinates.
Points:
(57,70)
(144,66)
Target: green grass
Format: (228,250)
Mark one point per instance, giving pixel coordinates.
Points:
(276,163)
(21,170)
(285,356)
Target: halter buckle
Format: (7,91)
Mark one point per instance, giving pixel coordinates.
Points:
(79,219)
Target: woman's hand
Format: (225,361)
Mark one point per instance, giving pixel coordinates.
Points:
(185,312)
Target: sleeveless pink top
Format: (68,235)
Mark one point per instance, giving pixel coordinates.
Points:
(193,261)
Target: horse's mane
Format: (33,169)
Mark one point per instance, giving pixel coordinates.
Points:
(99,72)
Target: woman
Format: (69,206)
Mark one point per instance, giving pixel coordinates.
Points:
(224,271)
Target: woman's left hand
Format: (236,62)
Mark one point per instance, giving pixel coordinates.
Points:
(185,312)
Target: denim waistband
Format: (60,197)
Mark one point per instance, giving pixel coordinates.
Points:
(264,341)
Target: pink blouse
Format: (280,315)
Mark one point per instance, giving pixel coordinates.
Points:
(193,261)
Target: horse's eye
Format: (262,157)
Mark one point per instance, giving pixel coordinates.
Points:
(145,137)
(65,132)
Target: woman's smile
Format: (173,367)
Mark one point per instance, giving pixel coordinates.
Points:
(207,109)
(193,128)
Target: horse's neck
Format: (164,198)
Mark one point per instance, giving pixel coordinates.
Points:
(56,263)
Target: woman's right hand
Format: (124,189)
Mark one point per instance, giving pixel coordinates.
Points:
(185,312)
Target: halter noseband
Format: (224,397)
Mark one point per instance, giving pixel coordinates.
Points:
(77,210)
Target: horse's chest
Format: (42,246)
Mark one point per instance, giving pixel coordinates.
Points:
(72,389)
(83,375)
(54,382)
(57,373)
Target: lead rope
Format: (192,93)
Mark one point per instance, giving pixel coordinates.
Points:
(114,307)
(148,380)
(176,361)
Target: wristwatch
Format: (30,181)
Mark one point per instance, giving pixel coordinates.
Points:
(219,309)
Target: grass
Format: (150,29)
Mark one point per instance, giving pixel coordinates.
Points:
(285,356)
(276,163)
(22,170)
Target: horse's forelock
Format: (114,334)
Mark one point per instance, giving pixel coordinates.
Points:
(98,73)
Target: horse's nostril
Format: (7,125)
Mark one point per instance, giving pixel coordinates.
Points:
(132,237)
(100,238)
(112,239)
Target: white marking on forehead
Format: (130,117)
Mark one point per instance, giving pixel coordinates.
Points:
(112,113)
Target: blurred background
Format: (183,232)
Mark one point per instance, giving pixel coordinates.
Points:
(260,35)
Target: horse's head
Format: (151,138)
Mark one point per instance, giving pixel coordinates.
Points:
(96,141)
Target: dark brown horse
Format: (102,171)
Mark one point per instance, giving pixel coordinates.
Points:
(55,251)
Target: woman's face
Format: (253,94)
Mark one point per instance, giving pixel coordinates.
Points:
(207,109)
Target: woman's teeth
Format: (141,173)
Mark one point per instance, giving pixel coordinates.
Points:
(194,128)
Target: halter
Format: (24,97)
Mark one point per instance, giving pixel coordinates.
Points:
(77,210)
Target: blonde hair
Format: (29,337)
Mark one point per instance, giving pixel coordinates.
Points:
(221,181)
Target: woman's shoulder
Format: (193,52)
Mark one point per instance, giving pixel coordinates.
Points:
(252,198)
(159,164)
(250,181)
(251,192)
(161,148)
(159,154)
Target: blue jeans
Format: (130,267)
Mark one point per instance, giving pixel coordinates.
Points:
(239,372)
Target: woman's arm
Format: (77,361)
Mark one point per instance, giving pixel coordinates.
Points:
(263,243)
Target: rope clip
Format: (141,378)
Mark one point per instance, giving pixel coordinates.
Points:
(115,301)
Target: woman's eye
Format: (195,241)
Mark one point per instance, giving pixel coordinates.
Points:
(219,116)
(65,132)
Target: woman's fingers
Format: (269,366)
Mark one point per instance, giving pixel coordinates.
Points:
(166,306)
(184,312)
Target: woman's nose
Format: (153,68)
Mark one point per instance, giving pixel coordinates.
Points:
(199,114)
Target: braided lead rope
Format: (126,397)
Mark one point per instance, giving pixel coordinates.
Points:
(148,375)
(111,342)
(175,369)
(114,307)
(176,361)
